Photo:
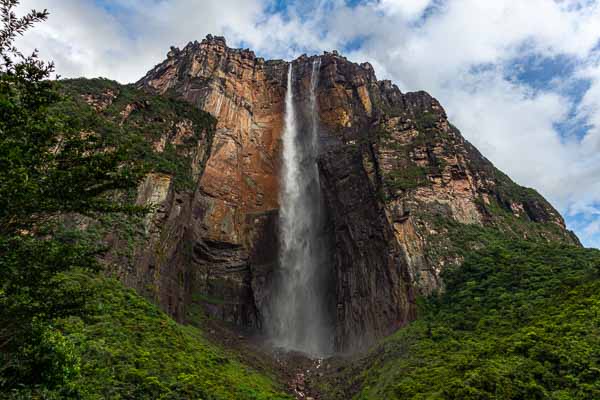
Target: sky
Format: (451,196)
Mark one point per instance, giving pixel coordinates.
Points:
(519,78)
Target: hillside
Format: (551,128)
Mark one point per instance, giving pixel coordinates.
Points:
(113,343)
(519,320)
(123,347)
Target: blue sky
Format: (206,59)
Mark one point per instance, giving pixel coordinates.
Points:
(521,79)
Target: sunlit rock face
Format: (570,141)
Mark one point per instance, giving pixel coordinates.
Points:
(236,203)
(390,166)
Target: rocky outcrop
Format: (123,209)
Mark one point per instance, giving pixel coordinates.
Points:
(430,174)
(234,236)
(393,172)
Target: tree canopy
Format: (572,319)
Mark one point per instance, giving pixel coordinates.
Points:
(49,167)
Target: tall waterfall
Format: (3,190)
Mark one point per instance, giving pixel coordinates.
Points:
(300,316)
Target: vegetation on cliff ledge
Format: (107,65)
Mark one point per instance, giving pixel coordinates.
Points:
(168,133)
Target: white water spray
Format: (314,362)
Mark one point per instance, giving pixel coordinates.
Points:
(300,316)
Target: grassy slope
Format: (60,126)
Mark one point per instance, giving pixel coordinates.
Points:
(129,349)
(519,320)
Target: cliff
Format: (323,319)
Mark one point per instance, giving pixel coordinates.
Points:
(396,175)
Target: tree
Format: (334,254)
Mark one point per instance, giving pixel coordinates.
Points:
(50,166)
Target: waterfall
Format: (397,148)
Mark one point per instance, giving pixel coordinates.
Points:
(300,315)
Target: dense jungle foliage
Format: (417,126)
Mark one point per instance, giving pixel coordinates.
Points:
(518,320)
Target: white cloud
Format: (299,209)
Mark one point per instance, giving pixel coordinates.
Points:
(459,53)
(408,9)
(85,39)
(68,40)
(589,108)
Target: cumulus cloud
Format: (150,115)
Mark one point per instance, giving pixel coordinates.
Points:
(408,9)
(589,107)
(122,39)
(467,53)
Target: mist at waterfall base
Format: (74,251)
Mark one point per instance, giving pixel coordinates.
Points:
(300,313)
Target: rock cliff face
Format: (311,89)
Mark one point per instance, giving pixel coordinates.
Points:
(235,236)
(393,171)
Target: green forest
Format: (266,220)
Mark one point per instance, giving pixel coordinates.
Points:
(518,320)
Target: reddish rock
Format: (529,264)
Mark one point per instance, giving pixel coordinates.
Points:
(391,165)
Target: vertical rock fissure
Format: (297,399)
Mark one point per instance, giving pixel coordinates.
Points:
(299,317)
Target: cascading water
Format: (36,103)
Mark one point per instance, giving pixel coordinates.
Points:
(300,315)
